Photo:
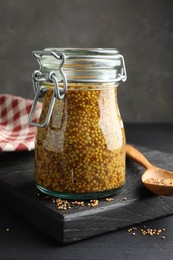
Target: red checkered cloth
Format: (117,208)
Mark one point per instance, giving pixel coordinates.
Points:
(15,132)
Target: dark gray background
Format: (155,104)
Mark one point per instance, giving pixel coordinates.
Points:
(142,30)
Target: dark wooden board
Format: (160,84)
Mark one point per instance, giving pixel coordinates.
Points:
(18,192)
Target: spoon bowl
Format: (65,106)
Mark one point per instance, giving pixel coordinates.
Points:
(152,172)
(158,189)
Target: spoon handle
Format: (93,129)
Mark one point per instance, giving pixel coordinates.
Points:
(138,157)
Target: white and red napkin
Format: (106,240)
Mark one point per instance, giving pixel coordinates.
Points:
(15,132)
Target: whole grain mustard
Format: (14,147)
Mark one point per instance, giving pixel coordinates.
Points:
(82,150)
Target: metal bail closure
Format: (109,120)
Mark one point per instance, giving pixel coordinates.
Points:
(123,74)
(39,90)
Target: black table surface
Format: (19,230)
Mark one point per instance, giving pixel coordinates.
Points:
(24,241)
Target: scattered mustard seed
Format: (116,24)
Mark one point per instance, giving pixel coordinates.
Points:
(93,203)
(62,204)
(132,229)
(65,204)
(78,203)
(109,199)
(147,231)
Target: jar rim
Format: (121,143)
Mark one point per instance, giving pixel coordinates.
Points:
(83,64)
(71,52)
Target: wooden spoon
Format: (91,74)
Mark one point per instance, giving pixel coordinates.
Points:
(151,172)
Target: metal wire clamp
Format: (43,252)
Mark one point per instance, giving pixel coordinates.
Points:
(39,90)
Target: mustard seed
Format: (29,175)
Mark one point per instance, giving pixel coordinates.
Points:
(82,150)
(109,199)
(157,181)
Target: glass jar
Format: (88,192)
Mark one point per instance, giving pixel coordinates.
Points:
(80,142)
